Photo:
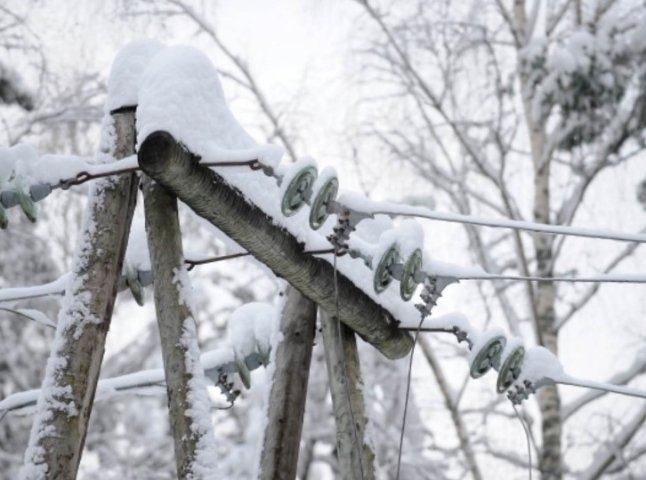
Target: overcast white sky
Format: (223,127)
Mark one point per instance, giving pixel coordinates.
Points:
(301,54)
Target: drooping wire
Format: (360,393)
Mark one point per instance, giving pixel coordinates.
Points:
(345,368)
(407,396)
(528,438)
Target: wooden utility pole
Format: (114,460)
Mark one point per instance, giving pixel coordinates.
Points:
(356,457)
(67,393)
(279,459)
(180,351)
(206,193)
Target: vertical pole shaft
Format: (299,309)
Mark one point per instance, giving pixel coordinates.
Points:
(356,456)
(188,403)
(65,403)
(279,459)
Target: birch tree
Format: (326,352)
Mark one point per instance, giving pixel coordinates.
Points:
(482,92)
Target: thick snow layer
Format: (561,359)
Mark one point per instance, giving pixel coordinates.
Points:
(480,340)
(251,324)
(126,71)
(10,157)
(447,322)
(204,465)
(55,287)
(181,94)
(445,269)
(540,364)
(371,229)
(271,331)
(137,253)
(410,236)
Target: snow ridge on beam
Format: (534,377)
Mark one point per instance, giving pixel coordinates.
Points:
(167,162)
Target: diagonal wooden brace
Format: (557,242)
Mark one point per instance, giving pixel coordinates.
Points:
(167,162)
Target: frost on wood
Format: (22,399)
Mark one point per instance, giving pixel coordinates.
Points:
(356,454)
(289,371)
(189,405)
(65,402)
(198,406)
(72,371)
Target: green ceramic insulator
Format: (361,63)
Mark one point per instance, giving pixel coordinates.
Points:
(294,197)
(137,290)
(408,284)
(382,276)
(510,369)
(243,371)
(319,210)
(488,356)
(4,220)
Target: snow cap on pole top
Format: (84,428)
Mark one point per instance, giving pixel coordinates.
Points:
(126,71)
(180,93)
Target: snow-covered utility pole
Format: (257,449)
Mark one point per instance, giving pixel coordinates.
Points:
(356,455)
(188,403)
(65,402)
(167,162)
(286,405)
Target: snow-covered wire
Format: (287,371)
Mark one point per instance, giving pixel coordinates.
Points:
(215,362)
(56,287)
(625,278)
(129,165)
(364,206)
(607,387)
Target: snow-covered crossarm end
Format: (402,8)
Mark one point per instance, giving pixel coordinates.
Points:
(213,198)
(521,371)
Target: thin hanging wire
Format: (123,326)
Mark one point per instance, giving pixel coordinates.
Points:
(408,382)
(528,438)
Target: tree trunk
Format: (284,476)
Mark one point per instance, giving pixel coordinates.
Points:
(549,401)
(543,304)
(356,457)
(204,191)
(281,443)
(188,403)
(65,402)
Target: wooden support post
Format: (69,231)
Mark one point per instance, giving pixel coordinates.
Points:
(178,338)
(67,393)
(279,459)
(204,191)
(356,457)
